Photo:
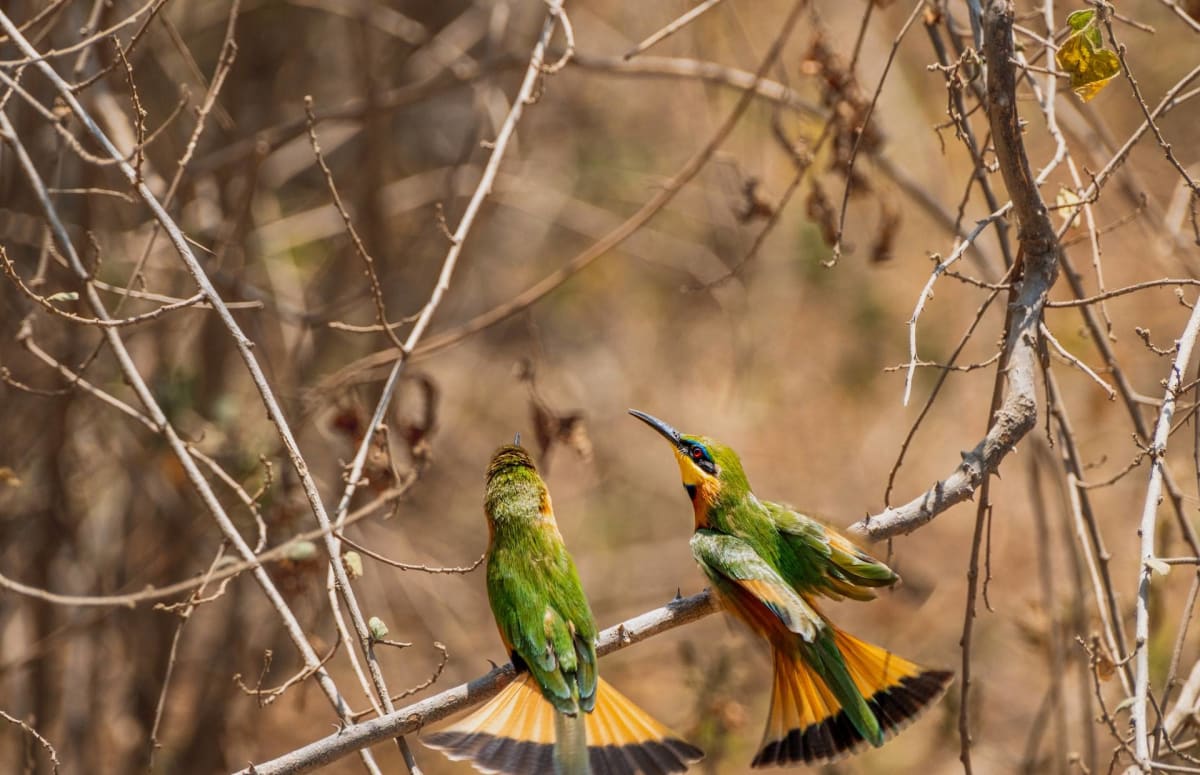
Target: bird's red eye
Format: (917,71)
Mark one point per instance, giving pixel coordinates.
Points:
(697,453)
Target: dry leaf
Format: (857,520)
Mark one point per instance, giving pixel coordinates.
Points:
(1084,58)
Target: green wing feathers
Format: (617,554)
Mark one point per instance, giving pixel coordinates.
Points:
(733,564)
(827,560)
(545,621)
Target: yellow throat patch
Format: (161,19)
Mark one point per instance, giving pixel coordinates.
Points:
(704,487)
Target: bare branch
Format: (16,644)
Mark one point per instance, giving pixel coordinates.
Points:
(414,717)
(1039,245)
(154,594)
(862,130)
(1148,553)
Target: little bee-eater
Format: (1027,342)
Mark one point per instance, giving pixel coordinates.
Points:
(558,716)
(767,564)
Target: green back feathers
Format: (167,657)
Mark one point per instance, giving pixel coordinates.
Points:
(533,586)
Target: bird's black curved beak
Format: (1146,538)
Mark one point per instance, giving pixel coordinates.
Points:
(666,431)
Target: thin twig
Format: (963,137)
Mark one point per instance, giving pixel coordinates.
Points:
(154,594)
(672,28)
(184,615)
(359,247)
(1089,300)
(33,57)
(43,742)
(862,129)
(1077,363)
(46,304)
(933,394)
(927,291)
(462,569)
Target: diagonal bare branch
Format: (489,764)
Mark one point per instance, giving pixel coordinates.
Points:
(1040,250)
(413,718)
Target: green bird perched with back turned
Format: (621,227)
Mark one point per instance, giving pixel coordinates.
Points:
(832,692)
(558,715)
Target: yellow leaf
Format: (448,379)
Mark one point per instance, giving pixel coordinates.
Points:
(1090,68)
(1068,204)
(354,564)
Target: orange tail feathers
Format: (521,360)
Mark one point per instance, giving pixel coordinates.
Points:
(514,734)
(623,739)
(807,723)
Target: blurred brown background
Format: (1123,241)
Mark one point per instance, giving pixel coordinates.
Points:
(785,362)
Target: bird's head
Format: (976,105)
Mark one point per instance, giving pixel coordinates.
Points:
(711,472)
(515,491)
(511,459)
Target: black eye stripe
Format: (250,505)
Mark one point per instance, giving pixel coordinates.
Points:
(701,457)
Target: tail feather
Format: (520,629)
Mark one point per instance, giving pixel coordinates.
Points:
(808,725)
(519,732)
(570,744)
(512,734)
(624,740)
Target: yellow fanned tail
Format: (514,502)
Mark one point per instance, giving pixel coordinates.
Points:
(896,690)
(625,740)
(512,734)
(807,724)
(520,733)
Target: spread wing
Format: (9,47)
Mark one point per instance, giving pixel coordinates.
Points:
(733,564)
(826,559)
